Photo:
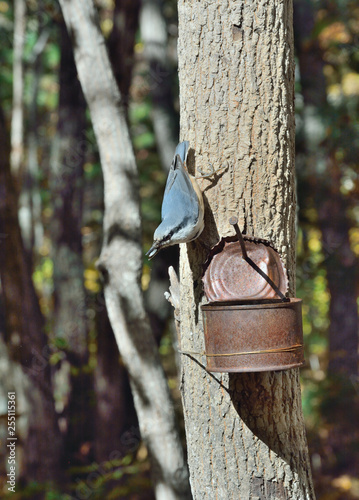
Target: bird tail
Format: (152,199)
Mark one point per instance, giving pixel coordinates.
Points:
(182,150)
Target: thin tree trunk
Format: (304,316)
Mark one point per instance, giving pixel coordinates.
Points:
(30,198)
(115,413)
(121,44)
(322,185)
(116,422)
(25,335)
(17,121)
(342,276)
(154,35)
(120,260)
(67,186)
(245,432)
(340,261)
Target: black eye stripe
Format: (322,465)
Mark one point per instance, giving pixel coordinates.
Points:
(175,230)
(170,234)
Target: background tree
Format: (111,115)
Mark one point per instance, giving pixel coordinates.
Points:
(25,336)
(155,38)
(17,118)
(321,173)
(245,432)
(120,259)
(116,421)
(324,162)
(67,190)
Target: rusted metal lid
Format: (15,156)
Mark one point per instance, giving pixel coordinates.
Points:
(231,276)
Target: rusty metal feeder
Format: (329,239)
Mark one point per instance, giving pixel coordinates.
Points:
(249,323)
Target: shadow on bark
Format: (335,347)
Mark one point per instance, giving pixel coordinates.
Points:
(267,404)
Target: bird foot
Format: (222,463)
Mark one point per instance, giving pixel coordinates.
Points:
(212,171)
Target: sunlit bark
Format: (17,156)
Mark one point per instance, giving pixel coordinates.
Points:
(245,432)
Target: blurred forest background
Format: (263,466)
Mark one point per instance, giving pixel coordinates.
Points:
(51,291)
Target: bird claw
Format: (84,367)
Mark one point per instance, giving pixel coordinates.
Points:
(211,172)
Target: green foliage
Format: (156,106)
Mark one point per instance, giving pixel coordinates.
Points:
(92,171)
(118,478)
(6,35)
(52,55)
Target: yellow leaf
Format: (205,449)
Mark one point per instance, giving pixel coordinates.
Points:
(350,84)
(343,482)
(335,32)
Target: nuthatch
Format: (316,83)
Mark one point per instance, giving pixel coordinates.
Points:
(182,207)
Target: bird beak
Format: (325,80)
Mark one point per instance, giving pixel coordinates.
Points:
(153,251)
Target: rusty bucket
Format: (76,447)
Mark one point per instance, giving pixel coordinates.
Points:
(249,323)
(253,336)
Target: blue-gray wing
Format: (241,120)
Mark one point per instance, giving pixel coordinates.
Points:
(182,150)
(180,199)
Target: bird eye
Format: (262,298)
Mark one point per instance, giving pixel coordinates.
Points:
(168,236)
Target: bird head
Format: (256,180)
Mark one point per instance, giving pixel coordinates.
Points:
(161,239)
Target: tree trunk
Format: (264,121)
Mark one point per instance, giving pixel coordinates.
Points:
(115,413)
(245,432)
(120,260)
(342,276)
(116,422)
(30,203)
(25,337)
(154,35)
(324,187)
(17,121)
(121,44)
(69,324)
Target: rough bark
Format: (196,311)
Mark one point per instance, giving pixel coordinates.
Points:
(69,322)
(323,185)
(25,337)
(120,259)
(245,432)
